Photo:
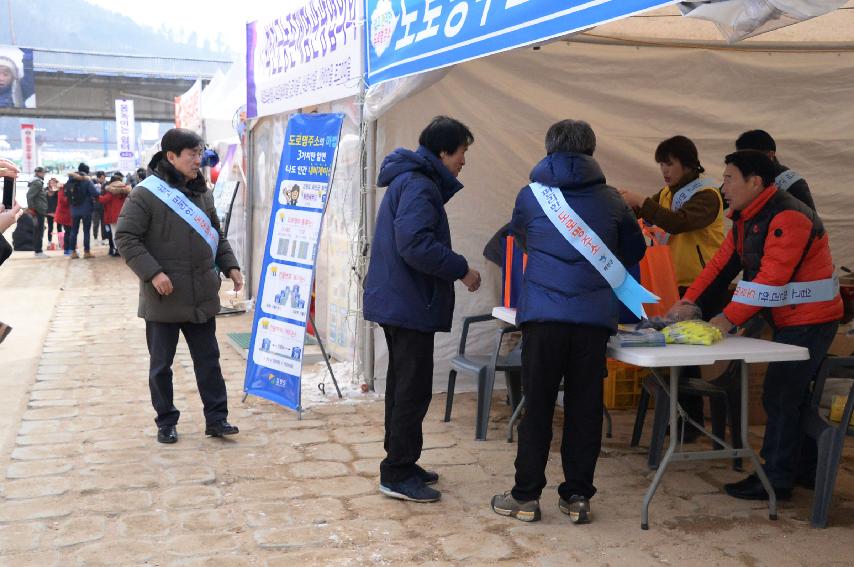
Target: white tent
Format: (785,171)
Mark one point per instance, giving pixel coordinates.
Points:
(637,81)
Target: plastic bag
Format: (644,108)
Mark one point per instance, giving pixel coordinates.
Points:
(692,333)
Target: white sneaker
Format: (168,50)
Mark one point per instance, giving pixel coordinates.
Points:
(41,255)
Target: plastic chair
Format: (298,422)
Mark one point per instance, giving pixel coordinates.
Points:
(724,393)
(485,367)
(829,436)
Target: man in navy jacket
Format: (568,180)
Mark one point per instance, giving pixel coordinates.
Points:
(409,291)
(567,311)
(82,211)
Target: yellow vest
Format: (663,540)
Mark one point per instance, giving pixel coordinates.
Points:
(691,251)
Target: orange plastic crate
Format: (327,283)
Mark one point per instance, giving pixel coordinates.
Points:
(623,385)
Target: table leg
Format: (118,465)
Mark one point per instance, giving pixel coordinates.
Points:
(745,443)
(674,436)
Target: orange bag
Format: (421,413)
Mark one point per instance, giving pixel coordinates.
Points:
(657,273)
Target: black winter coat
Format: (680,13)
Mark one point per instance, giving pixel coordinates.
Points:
(152,239)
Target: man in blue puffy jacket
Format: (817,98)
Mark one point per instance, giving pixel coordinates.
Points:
(567,311)
(409,291)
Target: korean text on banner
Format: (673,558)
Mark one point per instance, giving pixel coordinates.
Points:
(274,365)
(405,37)
(28,145)
(188,109)
(309,56)
(125,137)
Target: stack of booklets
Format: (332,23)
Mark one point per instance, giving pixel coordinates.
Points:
(640,338)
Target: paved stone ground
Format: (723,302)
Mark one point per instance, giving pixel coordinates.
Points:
(83,481)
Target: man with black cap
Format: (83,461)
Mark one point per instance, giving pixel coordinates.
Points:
(784,178)
(37,202)
(169,235)
(81,195)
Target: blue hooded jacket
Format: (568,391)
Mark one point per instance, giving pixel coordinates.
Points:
(88,205)
(410,281)
(559,283)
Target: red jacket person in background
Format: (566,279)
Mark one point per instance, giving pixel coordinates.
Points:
(781,247)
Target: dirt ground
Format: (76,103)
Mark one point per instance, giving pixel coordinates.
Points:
(84,482)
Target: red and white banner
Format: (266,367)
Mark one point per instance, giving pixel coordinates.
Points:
(188,109)
(29,154)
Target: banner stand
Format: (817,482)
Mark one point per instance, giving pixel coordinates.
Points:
(325,357)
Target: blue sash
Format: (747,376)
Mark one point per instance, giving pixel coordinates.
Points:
(793,293)
(787,179)
(573,228)
(184,208)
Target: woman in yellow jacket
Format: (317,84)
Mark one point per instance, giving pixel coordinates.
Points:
(690,210)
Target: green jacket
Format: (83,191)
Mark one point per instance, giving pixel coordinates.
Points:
(36,196)
(152,238)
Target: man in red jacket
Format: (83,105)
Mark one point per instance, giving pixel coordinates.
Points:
(780,246)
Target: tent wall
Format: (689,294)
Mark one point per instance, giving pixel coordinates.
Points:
(634,97)
(335,280)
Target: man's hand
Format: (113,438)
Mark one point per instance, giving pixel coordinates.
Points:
(632,199)
(472,280)
(722,323)
(162,284)
(684,310)
(237,278)
(8,218)
(8,169)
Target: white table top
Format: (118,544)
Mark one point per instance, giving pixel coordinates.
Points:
(731,348)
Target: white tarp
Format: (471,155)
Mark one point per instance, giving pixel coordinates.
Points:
(740,19)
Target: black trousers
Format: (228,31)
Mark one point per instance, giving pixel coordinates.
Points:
(162,339)
(38,234)
(574,354)
(408,391)
(50,228)
(97,223)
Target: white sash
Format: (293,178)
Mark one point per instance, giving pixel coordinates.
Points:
(787,179)
(793,293)
(683,195)
(184,208)
(573,228)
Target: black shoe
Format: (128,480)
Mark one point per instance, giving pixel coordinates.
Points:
(167,434)
(751,489)
(428,477)
(220,429)
(412,489)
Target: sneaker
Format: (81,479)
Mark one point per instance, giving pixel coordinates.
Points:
(220,429)
(41,255)
(51,246)
(577,508)
(429,477)
(88,255)
(74,255)
(67,252)
(506,505)
(412,489)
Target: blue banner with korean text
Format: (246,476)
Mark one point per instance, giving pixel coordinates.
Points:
(405,37)
(274,364)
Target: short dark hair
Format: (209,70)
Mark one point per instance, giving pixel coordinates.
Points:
(573,136)
(752,162)
(117,176)
(179,139)
(445,134)
(680,148)
(100,174)
(83,168)
(756,140)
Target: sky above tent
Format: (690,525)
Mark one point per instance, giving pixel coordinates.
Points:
(206,19)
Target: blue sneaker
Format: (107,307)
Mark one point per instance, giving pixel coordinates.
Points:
(412,489)
(67,252)
(429,477)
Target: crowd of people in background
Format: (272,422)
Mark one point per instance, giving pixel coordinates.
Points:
(90,202)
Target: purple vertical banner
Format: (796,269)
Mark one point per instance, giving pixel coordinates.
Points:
(274,365)
(251,43)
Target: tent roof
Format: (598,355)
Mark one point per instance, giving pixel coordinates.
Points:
(667,25)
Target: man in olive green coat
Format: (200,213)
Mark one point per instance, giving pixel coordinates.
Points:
(37,202)
(168,233)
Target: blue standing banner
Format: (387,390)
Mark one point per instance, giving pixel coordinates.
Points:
(405,37)
(274,365)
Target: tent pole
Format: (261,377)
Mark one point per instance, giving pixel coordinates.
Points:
(370,209)
(248,213)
